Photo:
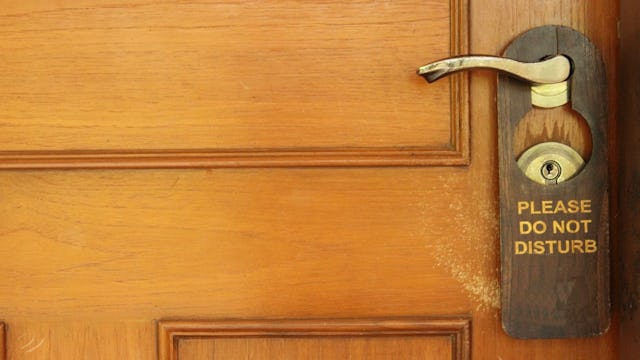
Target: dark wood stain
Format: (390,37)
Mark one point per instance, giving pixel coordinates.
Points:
(555,295)
(628,257)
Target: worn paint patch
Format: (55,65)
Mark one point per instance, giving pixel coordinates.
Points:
(468,251)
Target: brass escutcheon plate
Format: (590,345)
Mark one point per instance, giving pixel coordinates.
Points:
(531,162)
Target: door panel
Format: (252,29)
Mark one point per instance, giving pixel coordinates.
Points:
(436,348)
(92,258)
(269,80)
(405,338)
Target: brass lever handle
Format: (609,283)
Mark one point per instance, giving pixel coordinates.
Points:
(554,70)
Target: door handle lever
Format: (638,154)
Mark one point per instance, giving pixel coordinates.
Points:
(549,71)
(555,279)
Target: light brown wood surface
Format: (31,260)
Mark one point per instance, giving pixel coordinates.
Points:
(91,258)
(228,75)
(383,338)
(232,79)
(341,348)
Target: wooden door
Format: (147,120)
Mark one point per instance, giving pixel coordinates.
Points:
(262,179)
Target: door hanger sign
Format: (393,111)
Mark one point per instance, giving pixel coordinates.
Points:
(554,209)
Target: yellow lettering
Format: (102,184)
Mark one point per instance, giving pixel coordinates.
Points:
(558,227)
(573,206)
(570,226)
(533,209)
(550,244)
(539,227)
(560,208)
(590,246)
(522,205)
(573,226)
(538,247)
(566,249)
(550,247)
(554,207)
(576,246)
(521,247)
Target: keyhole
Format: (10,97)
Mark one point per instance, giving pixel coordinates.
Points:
(551,170)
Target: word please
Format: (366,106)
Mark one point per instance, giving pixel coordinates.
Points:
(554,207)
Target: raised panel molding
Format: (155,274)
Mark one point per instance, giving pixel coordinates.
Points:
(453,153)
(172,332)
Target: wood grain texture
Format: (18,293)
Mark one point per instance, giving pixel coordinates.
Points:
(628,257)
(303,335)
(551,294)
(73,339)
(242,243)
(491,33)
(231,84)
(561,124)
(88,253)
(349,347)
